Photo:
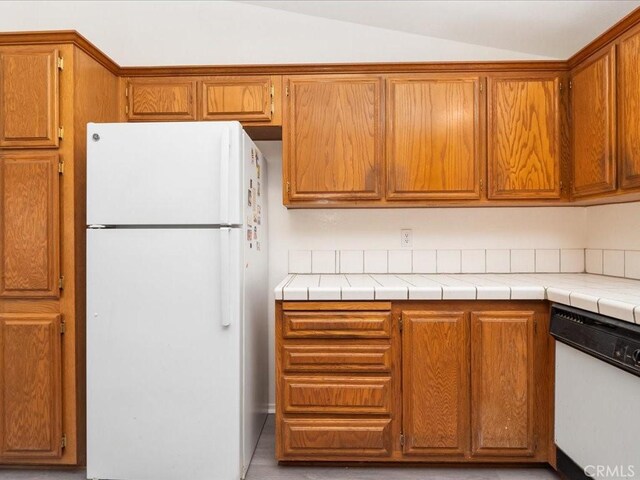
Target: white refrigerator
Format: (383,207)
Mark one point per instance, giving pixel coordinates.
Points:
(177,380)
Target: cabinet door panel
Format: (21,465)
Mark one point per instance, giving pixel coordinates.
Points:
(30,390)
(29,225)
(435,360)
(434,138)
(593,132)
(524,137)
(502,383)
(29,97)
(161,99)
(333,138)
(629,108)
(246,99)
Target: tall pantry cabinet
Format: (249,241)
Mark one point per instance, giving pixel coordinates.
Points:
(48,93)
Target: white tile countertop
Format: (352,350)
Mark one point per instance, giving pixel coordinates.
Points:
(611,296)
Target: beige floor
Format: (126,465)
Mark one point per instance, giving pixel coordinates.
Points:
(264,467)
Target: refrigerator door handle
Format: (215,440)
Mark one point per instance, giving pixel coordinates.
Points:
(225,269)
(224,177)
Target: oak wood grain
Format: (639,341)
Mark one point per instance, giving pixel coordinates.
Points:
(502,375)
(343,306)
(434,137)
(629,109)
(337,395)
(29,99)
(333,138)
(336,324)
(161,99)
(593,134)
(336,437)
(245,99)
(30,390)
(542,378)
(29,224)
(435,394)
(341,358)
(524,137)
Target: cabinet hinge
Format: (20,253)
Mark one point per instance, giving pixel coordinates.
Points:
(570,84)
(400,322)
(288,188)
(560,86)
(535,326)
(402,439)
(286,90)
(61,282)
(60,133)
(63,442)
(481,87)
(126,109)
(60,63)
(60,167)
(481,185)
(63,328)
(126,92)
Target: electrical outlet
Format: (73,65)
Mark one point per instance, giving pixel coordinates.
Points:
(406,238)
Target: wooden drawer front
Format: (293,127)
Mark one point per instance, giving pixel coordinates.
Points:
(370,395)
(337,324)
(247,99)
(342,358)
(327,437)
(162,99)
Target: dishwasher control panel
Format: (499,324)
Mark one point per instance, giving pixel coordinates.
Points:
(614,341)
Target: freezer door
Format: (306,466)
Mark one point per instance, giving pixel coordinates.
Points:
(163,370)
(174,173)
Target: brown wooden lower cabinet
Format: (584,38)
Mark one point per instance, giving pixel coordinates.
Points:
(410,381)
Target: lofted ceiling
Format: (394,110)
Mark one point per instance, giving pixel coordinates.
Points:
(549,28)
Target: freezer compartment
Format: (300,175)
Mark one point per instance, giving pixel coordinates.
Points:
(163,368)
(174,173)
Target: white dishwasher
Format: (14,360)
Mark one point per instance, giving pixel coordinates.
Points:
(597,397)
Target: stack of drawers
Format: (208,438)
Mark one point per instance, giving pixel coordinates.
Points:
(336,388)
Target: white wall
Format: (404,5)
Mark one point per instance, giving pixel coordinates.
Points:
(613,226)
(221,32)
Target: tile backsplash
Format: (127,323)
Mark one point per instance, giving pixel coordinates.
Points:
(448,261)
(615,263)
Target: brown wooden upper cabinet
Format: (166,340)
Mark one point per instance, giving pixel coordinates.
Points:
(593,137)
(31,387)
(250,99)
(29,222)
(502,383)
(524,137)
(29,96)
(332,138)
(151,99)
(629,109)
(434,132)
